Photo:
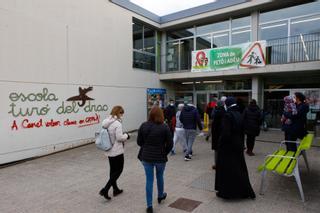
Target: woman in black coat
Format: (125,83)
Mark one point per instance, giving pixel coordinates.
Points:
(156,142)
(252,118)
(232,179)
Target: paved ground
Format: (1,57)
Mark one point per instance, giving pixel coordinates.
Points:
(69,182)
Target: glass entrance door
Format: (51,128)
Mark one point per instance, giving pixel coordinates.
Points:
(201,103)
(273,106)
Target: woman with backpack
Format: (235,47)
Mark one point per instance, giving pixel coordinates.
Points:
(155,141)
(113,124)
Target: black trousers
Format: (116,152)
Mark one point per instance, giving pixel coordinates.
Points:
(250,142)
(116,168)
(290,146)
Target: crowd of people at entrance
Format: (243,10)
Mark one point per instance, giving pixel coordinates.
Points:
(232,125)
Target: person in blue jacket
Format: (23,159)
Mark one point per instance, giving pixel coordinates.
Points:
(190,119)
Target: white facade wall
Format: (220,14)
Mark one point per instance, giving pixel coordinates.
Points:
(50,48)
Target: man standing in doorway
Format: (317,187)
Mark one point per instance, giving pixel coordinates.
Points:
(190,119)
(170,113)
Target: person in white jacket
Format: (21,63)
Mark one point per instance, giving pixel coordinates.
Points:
(116,159)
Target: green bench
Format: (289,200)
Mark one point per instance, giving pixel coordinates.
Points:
(285,163)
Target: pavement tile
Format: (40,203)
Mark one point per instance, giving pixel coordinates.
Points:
(70,181)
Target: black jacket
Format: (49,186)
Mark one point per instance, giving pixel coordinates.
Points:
(169,113)
(252,118)
(190,118)
(155,141)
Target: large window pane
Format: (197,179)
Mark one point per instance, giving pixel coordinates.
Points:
(172,56)
(149,40)
(221,40)
(186,47)
(203,42)
(213,27)
(143,61)
(137,36)
(305,25)
(274,30)
(241,36)
(241,22)
(295,11)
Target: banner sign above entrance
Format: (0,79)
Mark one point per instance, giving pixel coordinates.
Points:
(246,55)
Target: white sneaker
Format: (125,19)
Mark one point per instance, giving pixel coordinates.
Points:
(187,158)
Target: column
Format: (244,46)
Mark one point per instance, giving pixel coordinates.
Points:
(254,25)
(257,90)
(163,52)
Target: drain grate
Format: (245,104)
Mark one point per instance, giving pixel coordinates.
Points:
(185,204)
(204,182)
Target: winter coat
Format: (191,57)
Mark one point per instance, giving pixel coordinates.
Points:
(117,136)
(252,120)
(297,128)
(190,118)
(155,142)
(216,129)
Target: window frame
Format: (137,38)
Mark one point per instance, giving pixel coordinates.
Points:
(134,21)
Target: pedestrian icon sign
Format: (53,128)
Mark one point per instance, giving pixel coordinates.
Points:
(254,56)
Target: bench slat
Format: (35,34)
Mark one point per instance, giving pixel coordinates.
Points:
(285,163)
(271,164)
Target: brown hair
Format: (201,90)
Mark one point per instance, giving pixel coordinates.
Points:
(156,115)
(116,111)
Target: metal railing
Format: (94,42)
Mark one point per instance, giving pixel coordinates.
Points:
(300,48)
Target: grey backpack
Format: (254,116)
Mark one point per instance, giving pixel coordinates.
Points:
(103,141)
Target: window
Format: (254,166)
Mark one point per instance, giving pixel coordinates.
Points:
(220,26)
(144,47)
(186,47)
(173,56)
(301,19)
(241,30)
(181,43)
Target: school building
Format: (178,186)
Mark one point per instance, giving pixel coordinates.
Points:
(64,64)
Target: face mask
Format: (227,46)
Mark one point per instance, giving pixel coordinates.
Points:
(171,104)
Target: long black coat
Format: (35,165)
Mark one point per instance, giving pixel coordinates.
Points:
(217,116)
(252,120)
(232,179)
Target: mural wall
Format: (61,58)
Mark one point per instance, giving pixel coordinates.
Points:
(38,119)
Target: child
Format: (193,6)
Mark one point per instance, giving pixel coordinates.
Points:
(289,107)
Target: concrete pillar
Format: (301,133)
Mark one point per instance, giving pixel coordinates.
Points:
(163,52)
(257,90)
(254,25)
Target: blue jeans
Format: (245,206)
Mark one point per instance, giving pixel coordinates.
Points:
(190,137)
(149,168)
